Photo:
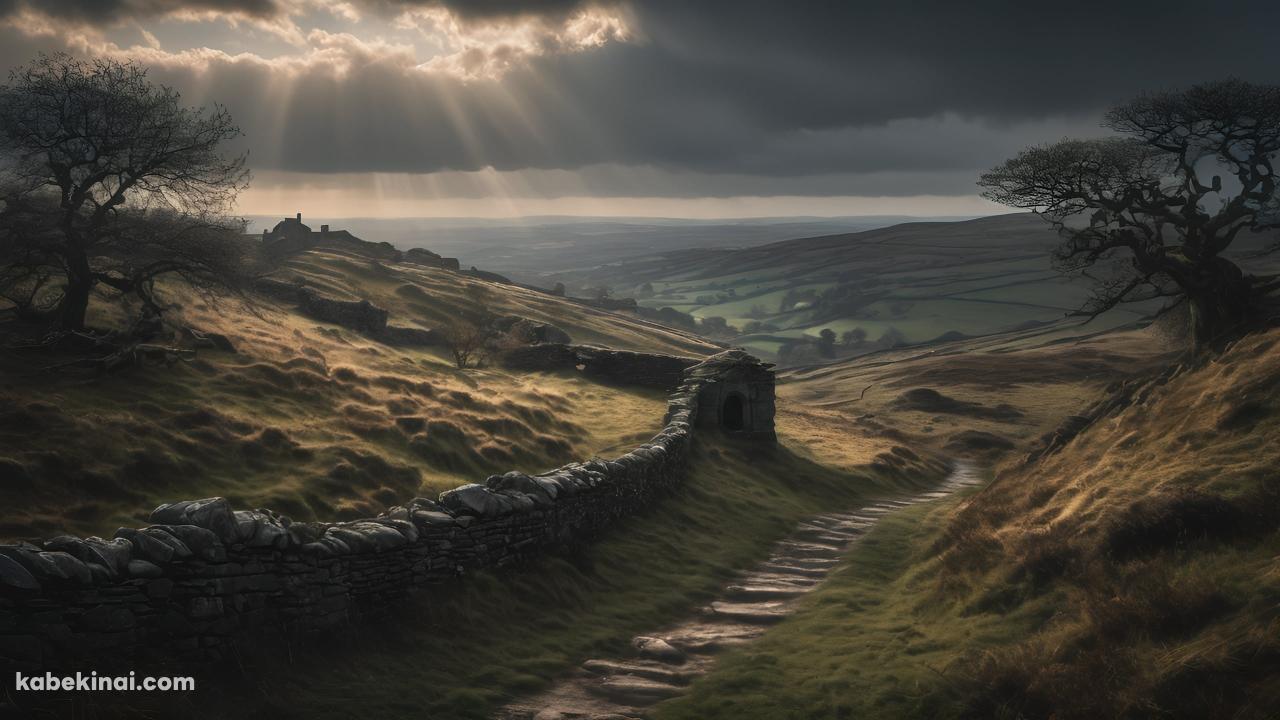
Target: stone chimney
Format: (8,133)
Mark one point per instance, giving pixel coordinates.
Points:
(299,217)
(324,229)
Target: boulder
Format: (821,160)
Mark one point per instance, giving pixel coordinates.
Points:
(304,533)
(475,500)
(367,536)
(518,482)
(257,528)
(203,543)
(13,576)
(402,526)
(549,484)
(147,547)
(213,514)
(144,569)
(658,649)
(113,555)
(62,566)
(433,518)
(180,549)
(521,502)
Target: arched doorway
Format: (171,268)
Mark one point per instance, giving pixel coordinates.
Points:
(733,414)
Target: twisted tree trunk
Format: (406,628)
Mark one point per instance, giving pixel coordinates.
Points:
(1221,304)
(75,296)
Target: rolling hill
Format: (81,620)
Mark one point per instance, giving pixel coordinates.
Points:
(907,284)
(536,250)
(305,416)
(1130,572)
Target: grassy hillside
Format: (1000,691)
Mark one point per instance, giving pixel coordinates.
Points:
(1132,574)
(909,283)
(307,418)
(981,396)
(541,250)
(464,649)
(917,280)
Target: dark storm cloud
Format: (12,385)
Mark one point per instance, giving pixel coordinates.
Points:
(112,11)
(484,9)
(105,12)
(749,88)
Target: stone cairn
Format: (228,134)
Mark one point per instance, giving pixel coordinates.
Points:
(205,578)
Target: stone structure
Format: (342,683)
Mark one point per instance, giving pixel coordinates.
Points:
(529,332)
(359,315)
(737,395)
(291,236)
(205,580)
(619,367)
(421,256)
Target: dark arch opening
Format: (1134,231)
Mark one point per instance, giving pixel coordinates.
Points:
(733,414)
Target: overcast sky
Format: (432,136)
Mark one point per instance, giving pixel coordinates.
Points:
(682,108)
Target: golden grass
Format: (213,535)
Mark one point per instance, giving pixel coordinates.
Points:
(1043,383)
(310,419)
(1136,573)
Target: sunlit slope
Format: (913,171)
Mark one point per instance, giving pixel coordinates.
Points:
(308,418)
(429,297)
(982,397)
(1134,573)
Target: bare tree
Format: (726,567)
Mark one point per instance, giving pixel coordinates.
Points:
(109,181)
(466,340)
(1149,215)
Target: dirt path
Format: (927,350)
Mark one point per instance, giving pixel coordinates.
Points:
(663,664)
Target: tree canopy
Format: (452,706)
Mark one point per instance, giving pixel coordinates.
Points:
(109,181)
(1149,213)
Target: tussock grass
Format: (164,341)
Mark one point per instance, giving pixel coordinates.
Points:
(309,419)
(1132,574)
(979,397)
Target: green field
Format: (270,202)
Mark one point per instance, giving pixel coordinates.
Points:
(913,282)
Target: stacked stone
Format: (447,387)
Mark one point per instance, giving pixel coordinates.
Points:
(622,367)
(205,577)
(359,315)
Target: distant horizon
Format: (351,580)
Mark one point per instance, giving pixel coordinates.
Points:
(498,219)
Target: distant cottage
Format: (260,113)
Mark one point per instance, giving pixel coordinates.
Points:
(290,237)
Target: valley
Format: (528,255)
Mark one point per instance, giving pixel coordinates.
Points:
(327,423)
(639,360)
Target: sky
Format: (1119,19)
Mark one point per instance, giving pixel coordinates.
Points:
(672,108)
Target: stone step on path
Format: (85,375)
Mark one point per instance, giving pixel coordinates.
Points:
(765,591)
(661,666)
(787,564)
(647,669)
(815,574)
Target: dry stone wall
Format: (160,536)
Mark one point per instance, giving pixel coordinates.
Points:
(622,367)
(205,578)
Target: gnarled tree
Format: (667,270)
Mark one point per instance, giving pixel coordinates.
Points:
(108,180)
(1149,215)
